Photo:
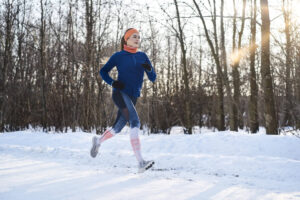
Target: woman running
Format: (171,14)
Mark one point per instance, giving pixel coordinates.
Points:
(131,65)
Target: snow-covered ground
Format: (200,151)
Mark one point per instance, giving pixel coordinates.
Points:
(210,165)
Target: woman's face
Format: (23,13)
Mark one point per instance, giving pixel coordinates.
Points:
(134,40)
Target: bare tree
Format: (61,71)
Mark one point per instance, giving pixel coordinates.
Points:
(298,87)
(49,67)
(180,36)
(288,64)
(9,20)
(215,54)
(253,112)
(225,74)
(89,49)
(72,67)
(42,70)
(269,102)
(237,116)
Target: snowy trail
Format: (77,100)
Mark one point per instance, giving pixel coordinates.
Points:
(220,165)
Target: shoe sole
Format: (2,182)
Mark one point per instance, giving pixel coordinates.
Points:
(94,149)
(148,166)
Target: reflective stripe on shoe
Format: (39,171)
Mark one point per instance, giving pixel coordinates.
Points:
(145,166)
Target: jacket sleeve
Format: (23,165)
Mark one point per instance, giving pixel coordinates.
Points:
(111,63)
(151,74)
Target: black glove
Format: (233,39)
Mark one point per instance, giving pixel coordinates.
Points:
(147,67)
(118,85)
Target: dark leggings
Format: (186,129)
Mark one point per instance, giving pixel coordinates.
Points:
(126,112)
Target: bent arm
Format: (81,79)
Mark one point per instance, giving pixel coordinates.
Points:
(151,74)
(104,71)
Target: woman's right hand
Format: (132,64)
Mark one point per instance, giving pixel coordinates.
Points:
(118,85)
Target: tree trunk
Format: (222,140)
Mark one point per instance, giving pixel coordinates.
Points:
(7,60)
(188,117)
(71,67)
(87,96)
(237,116)
(298,89)
(253,112)
(269,103)
(287,121)
(43,66)
(220,106)
(224,64)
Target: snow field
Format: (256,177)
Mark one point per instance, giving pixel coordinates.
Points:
(211,165)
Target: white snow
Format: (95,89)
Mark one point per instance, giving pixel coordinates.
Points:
(210,165)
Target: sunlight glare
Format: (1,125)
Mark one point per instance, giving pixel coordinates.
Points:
(237,55)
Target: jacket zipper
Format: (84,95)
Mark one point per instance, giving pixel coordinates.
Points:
(134,60)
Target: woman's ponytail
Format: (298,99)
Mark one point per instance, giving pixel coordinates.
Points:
(122,43)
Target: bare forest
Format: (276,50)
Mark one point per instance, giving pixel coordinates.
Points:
(226,65)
